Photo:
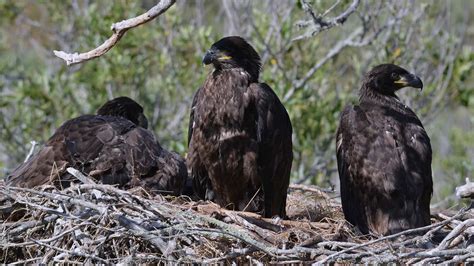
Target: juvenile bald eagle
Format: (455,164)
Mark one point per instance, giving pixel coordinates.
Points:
(240,148)
(384,157)
(113,147)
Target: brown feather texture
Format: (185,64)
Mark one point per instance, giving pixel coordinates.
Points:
(112,147)
(240,147)
(384,157)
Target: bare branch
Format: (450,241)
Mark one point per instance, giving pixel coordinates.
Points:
(32,150)
(119,30)
(73,225)
(333,52)
(73,253)
(406,232)
(453,234)
(466,191)
(319,24)
(359,37)
(77,174)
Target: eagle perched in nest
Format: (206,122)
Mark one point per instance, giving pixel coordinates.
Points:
(384,157)
(113,146)
(240,147)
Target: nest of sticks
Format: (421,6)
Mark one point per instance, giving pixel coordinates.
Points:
(94,223)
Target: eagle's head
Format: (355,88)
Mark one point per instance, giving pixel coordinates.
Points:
(126,108)
(388,78)
(234,52)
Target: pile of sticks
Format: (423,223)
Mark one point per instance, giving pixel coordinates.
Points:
(94,223)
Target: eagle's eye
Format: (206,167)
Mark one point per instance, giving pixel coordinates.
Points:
(395,76)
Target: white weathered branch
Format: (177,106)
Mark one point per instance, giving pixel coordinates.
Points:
(466,191)
(77,174)
(119,30)
(32,150)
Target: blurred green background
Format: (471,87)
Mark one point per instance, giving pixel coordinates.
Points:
(315,73)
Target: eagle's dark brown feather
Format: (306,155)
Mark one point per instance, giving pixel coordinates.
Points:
(239,134)
(124,107)
(384,157)
(109,148)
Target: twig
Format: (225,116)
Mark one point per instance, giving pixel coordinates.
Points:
(235,232)
(251,200)
(337,48)
(26,262)
(406,232)
(73,253)
(119,30)
(320,191)
(31,224)
(139,231)
(263,233)
(233,254)
(433,253)
(66,198)
(463,258)
(122,227)
(359,37)
(32,150)
(454,233)
(319,24)
(77,174)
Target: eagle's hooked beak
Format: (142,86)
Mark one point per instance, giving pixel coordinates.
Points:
(215,56)
(209,57)
(409,80)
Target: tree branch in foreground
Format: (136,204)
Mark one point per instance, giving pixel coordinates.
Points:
(119,30)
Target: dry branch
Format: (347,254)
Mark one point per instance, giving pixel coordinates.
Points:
(32,150)
(466,191)
(403,233)
(359,37)
(458,230)
(119,30)
(76,226)
(321,24)
(77,174)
